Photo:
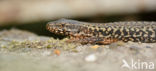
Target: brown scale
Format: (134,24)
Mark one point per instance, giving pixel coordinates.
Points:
(105,33)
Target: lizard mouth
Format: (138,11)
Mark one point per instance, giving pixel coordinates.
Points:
(55,30)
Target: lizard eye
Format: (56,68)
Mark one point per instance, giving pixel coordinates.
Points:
(62,25)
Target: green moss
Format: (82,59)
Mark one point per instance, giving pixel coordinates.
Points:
(51,43)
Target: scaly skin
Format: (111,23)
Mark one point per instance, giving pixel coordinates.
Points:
(104,33)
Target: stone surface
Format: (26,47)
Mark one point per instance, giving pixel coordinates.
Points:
(25,51)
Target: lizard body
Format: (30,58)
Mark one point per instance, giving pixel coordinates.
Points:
(105,33)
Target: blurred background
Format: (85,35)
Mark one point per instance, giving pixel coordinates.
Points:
(32,15)
(25,51)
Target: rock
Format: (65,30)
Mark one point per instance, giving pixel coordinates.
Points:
(91,58)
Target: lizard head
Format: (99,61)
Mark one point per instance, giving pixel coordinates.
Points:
(64,26)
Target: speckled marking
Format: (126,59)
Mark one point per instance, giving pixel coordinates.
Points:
(138,31)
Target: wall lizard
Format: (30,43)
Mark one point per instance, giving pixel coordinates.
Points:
(104,33)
